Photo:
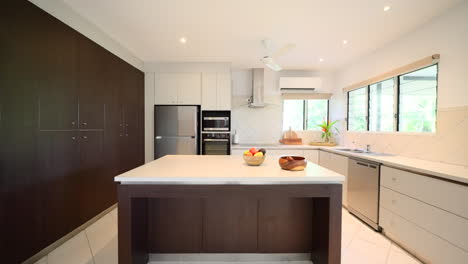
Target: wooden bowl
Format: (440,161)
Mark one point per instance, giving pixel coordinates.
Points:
(294,163)
(253,161)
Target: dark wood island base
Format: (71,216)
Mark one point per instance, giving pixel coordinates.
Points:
(278,218)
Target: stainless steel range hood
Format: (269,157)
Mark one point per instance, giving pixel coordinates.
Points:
(257,99)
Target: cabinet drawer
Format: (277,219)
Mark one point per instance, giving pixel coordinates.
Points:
(428,247)
(446,225)
(449,196)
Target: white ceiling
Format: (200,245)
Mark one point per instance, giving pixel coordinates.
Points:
(232,30)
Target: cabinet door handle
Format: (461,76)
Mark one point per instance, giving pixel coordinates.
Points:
(73,138)
(84,124)
(85,137)
(73,123)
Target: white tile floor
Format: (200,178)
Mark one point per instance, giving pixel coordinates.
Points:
(98,245)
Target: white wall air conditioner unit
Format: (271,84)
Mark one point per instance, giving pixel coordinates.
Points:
(300,84)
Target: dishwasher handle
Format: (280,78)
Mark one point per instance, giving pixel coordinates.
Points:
(362,164)
(368,165)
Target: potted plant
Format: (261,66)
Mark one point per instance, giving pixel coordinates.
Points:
(327,128)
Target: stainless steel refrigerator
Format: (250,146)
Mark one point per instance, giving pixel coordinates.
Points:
(176,130)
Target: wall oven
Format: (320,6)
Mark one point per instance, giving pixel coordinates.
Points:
(216,143)
(216,121)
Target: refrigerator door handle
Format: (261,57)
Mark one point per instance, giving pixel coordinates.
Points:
(158,137)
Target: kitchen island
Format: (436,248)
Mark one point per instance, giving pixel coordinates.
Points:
(218,204)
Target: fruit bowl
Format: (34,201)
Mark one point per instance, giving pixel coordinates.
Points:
(254,157)
(294,163)
(254,161)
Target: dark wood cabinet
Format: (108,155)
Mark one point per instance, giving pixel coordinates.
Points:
(92,87)
(62,100)
(57,87)
(58,161)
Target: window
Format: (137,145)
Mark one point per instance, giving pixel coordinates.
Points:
(381,106)
(408,106)
(304,114)
(357,110)
(293,114)
(418,100)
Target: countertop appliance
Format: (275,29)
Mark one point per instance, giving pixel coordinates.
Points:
(176,130)
(216,121)
(216,143)
(363,190)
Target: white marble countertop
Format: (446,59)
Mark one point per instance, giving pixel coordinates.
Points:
(193,169)
(443,170)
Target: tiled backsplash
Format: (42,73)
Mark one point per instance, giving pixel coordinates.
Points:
(449,144)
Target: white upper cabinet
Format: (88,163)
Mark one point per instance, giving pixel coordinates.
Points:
(216,91)
(166,89)
(224,91)
(178,88)
(189,89)
(209,91)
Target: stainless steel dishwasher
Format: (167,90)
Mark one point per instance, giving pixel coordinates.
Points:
(363,191)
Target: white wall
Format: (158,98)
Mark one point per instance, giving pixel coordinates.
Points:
(264,125)
(151,70)
(67,15)
(446,35)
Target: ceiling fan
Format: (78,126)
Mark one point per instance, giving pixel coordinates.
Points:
(269,59)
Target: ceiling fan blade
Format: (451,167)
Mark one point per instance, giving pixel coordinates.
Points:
(270,63)
(284,50)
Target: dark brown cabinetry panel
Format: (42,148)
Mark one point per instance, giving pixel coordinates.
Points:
(175,224)
(58,160)
(57,100)
(61,103)
(286,225)
(92,87)
(230,230)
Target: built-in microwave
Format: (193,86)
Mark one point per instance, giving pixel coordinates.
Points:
(216,143)
(216,121)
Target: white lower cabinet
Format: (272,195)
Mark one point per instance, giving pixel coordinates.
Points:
(272,152)
(425,215)
(284,152)
(237,152)
(338,164)
(311,155)
(420,242)
(442,194)
(446,225)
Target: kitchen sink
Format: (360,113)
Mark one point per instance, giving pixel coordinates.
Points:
(353,150)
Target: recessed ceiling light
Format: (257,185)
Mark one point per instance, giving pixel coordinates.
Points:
(183,40)
(345,42)
(386,8)
(321,59)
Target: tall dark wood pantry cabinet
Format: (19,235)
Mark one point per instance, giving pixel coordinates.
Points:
(71,119)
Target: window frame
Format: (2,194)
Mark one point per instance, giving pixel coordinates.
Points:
(396,103)
(305,113)
(367,109)
(436,100)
